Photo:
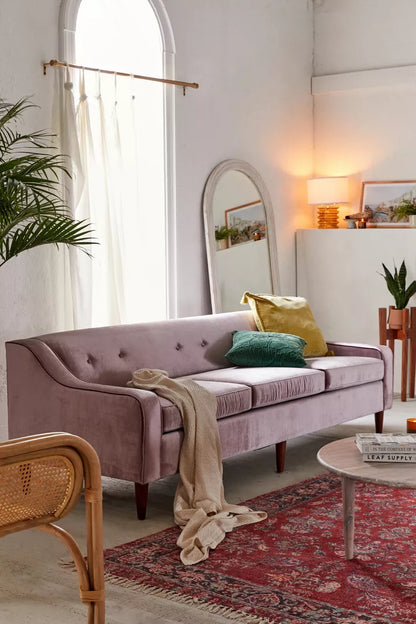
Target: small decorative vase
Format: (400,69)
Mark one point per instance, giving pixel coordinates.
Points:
(395,318)
(222,244)
(412,221)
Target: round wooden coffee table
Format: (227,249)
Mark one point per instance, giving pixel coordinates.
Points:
(344,458)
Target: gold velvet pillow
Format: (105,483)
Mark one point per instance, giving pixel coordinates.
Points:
(288,315)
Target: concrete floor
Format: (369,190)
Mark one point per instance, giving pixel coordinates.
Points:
(35,589)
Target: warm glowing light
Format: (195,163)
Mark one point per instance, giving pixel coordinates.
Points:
(326,191)
(327,194)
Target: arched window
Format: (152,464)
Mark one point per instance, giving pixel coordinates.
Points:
(125,134)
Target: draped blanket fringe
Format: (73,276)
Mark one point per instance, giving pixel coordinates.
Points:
(199,507)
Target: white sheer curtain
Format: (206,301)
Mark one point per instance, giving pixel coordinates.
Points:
(99,132)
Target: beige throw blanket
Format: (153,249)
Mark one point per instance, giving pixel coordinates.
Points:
(199,507)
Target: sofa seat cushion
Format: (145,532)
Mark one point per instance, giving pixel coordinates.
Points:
(232,399)
(345,371)
(272,384)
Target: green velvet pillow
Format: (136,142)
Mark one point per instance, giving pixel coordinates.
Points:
(255,348)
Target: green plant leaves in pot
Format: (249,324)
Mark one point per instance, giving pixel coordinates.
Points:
(396,284)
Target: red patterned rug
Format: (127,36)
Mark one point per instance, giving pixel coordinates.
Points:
(291,568)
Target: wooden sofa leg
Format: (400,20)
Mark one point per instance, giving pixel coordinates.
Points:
(378,417)
(142,491)
(280,456)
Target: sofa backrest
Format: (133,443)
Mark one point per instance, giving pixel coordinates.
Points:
(109,355)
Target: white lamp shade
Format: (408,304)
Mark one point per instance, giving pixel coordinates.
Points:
(328,191)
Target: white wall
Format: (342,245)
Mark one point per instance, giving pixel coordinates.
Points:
(366,133)
(365,127)
(340,273)
(30,284)
(253,60)
(353,35)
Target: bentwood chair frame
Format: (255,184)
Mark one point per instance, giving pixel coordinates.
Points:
(41,479)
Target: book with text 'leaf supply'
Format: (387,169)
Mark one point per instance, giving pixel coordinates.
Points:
(399,458)
(386,442)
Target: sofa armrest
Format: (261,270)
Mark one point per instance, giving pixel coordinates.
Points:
(378,351)
(123,424)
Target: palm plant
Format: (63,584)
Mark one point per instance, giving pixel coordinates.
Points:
(32,211)
(223,232)
(396,284)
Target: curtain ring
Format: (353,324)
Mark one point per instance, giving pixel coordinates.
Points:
(68,85)
(133,97)
(82,94)
(99,84)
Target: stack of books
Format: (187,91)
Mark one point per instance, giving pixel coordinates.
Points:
(387,447)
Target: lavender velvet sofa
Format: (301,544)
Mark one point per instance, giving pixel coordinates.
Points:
(75,381)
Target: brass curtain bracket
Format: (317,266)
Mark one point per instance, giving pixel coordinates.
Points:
(179,83)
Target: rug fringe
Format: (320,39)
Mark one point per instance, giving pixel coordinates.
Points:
(232,614)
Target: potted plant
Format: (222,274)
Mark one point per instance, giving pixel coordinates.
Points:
(396,283)
(406,208)
(221,236)
(32,211)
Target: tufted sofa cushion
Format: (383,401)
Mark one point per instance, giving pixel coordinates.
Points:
(272,384)
(231,399)
(347,371)
(109,355)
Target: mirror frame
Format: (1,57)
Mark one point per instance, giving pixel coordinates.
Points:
(208,198)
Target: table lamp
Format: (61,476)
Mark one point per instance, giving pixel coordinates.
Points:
(327,194)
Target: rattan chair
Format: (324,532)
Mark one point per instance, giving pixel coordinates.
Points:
(41,479)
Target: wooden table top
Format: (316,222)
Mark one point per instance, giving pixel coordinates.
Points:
(344,458)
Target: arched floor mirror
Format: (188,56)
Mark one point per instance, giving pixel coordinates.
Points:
(240,235)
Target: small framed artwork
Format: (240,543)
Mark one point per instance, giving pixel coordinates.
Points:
(248,222)
(379,200)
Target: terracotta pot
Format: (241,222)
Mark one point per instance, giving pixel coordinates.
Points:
(395,318)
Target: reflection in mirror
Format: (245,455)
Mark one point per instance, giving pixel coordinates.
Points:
(239,233)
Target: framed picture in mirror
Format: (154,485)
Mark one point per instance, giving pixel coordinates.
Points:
(248,222)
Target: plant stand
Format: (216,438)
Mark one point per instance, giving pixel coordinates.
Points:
(407,335)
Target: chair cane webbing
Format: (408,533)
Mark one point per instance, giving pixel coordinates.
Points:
(41,479)
(34,489)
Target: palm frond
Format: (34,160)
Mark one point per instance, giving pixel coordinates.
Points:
(11,112)
(57,229)
(32,210)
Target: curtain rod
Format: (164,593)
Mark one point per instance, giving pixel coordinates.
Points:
(55,63)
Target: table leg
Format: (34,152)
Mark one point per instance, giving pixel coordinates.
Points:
(348,492)
(405,351)
(412,338)
(412,369)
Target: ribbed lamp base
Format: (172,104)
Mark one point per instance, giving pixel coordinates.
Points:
(327,217)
